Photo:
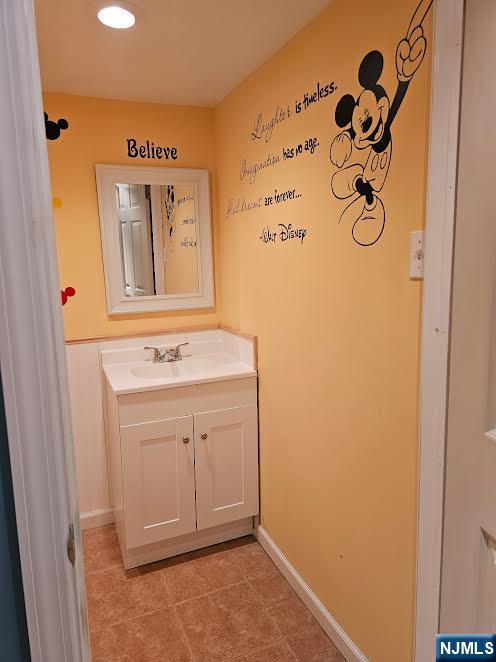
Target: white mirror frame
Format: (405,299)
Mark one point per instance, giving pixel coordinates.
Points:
(118,304)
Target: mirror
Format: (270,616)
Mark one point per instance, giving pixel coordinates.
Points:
(155,225)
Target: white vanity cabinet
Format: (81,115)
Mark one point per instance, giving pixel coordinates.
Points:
(184,467)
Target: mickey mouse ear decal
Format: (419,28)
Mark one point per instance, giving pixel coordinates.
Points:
(68,292)
(53,129)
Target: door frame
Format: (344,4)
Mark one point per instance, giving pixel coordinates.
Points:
(436,316)
(32,357)
(159,255)
(32,349)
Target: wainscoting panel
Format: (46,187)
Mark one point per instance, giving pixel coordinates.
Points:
(85,387)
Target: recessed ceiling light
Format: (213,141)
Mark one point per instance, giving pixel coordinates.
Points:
(116,17)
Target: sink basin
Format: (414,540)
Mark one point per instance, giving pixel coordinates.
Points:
(173,369)
(160,371)
(145,375)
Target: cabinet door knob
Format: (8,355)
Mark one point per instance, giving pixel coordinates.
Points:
(204,435)
(185,440)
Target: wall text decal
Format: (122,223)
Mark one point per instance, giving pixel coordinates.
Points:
(188,242)
(185,198)
(249,171)
(264,130)
(277,198)
(283,233)
(318,93)
(242,205)
(149,151)
(309,145)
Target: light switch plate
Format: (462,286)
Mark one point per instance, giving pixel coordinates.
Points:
(417,255)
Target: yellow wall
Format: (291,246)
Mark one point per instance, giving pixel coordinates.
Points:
(97,133)
(338,325)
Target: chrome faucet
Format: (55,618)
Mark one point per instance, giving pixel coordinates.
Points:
(172,353)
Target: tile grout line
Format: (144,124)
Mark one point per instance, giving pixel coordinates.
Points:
(87,573)
(146,613)
(298,634)
(254,650)
(284,638)
(133,618)
(188,645)
(292,651)
(209,593)
(265,609)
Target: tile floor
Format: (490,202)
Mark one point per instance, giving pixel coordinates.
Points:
(228,602)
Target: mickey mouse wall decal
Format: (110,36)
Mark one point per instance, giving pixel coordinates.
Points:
(68,292)
(53,129)
(366,125)
(170,211)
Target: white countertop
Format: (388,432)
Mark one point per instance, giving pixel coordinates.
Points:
(144,375)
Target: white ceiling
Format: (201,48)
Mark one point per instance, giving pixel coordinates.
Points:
(191,52)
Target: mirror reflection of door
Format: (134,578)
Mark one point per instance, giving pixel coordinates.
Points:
(136,239)
(158,238)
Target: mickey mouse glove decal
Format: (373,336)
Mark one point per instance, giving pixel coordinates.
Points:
(411,50)
(341,148)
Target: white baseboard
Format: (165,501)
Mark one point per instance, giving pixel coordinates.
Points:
(331,627)
(96,518)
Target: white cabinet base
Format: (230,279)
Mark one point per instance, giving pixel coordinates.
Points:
(132,558)
(184,467)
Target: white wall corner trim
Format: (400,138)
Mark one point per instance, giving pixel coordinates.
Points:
(328,623)
(440,219)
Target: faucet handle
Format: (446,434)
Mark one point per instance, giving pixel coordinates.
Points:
(156,353)
(175,350)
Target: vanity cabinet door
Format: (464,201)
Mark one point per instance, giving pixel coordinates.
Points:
(226,465)
(158,480)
